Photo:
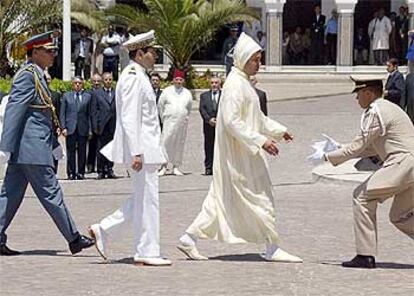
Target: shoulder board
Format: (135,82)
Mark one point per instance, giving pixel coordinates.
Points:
(29,68)
(132,70)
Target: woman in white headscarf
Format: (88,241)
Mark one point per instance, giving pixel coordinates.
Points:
(239,206)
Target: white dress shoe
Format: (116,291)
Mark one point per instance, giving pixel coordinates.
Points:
(282,256)
(95,231)
(177,172)
(152,261)
(191,252)
(162,171)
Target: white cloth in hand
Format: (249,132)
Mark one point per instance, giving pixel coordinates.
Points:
(4,157)
(321,148)
(318,156)
(331,145)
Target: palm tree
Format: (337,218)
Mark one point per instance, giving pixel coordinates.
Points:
(87,14)
(22,16)
(182,26)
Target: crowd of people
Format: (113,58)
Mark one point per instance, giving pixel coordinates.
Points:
(239,206)
(385,37)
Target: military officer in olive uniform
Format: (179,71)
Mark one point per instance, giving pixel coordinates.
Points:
(26,143)
(387,132)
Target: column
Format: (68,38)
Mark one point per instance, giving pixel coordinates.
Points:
(274,33)
(345,34)
(410,4)
(67,65)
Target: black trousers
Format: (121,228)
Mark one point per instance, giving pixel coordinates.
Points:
(317,54)
(76,150)
(331,44)
(209,136)
(92,148)
(81,66)
(110,64)
(104,165)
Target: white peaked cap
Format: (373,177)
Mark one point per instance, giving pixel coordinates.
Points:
(244,49)
(140,41)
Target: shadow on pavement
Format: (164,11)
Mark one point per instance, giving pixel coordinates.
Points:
(379,265)
(249,257)
(392,265)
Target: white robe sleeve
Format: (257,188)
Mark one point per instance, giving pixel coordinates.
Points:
(189,102)
(272,128)
(231,110)
(161,104)
(131,114)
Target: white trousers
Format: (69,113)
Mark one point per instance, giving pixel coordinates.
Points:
(142,209)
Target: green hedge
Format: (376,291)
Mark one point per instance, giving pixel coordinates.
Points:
(202,82)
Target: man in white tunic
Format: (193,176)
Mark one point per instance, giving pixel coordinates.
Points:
(136,143)
(239,206)
(174,107)
(379,31)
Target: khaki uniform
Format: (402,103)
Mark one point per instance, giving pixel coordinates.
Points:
(388,132)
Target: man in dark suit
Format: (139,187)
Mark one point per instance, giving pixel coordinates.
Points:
(83,55)
(395,86)
(209,102)
(409,82)
(56,70)
(56,97)
(261,94)
(103,122)
(156,81)
(74,121)
(93,139)
(318,35)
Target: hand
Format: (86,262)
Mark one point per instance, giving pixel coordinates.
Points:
(212,122)
(65,132)
(136,163)
(270,147)
(288,137)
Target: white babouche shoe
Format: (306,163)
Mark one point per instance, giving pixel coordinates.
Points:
(96,232)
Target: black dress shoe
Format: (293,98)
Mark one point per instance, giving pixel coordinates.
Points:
(72,177)
(360,261)
(209,172)
(111,175)
(100,176)
(82,242)
(5,251)
(80,177)
(90,169)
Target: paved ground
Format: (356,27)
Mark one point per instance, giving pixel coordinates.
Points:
(314,222)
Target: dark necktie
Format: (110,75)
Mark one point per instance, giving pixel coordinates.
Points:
(77,98)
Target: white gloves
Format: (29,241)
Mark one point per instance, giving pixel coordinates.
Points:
(4,157)
(321,148)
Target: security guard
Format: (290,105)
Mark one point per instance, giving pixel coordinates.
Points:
(387,132)
(26,143)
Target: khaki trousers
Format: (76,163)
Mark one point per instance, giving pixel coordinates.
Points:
(365,220)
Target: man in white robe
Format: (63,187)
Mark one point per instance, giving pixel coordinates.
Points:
(136,143)
(174,108)
(239,206)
